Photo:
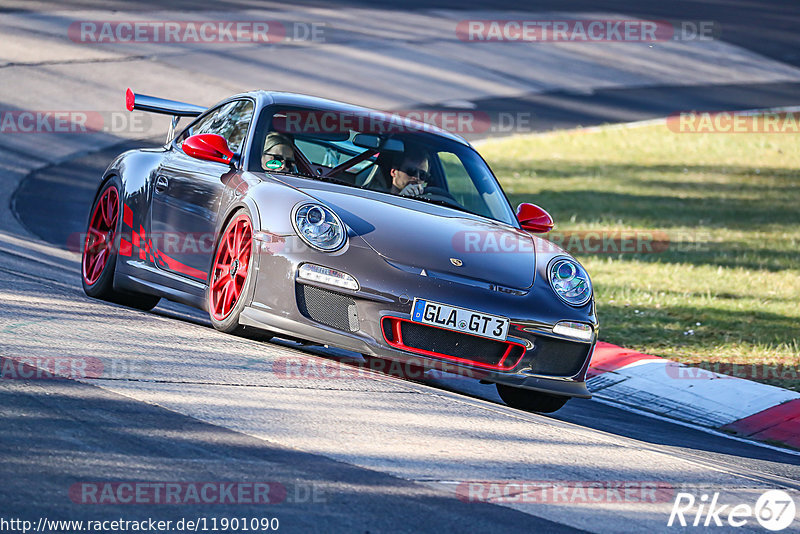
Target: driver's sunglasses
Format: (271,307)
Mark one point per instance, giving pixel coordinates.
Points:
(282,159)
(417,173)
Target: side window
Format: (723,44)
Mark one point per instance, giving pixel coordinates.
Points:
(238,116)
(201,126)
(461,185)
(230,121)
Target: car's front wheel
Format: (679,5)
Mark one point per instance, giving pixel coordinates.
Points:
(231,277)
(530,401)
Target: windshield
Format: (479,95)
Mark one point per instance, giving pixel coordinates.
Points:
(379,155)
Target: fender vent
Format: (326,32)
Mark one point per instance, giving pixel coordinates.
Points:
(326,307)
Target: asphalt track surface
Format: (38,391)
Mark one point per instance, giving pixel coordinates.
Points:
(381,454)
(768,28)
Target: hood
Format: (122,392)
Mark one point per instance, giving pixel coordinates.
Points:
(431,237)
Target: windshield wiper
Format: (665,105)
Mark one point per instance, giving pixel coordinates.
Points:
(333,180)
(337,181)
(318,178)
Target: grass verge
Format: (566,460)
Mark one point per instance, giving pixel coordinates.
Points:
(719,287)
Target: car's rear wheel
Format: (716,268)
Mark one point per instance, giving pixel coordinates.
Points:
(100,249)
(231,277)
(530,401)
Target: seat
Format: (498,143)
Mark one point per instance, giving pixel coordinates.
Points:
(378,177)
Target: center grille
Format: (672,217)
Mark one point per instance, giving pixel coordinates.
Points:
(447,344)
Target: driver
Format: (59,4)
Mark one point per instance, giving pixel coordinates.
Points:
(411,176)
(278,153)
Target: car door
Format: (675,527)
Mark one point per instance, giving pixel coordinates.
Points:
(187,194)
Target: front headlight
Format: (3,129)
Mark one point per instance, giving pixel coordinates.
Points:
(319,227)
(570,281)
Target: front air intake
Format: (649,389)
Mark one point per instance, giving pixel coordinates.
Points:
(327,307)
(450,345)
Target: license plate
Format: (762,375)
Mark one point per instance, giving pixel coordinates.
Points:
(459,319)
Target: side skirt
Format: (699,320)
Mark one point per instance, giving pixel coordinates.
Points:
(191,294)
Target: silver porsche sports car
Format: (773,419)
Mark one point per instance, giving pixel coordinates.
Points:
(294,216)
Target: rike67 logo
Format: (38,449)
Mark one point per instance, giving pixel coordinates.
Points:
(774,510)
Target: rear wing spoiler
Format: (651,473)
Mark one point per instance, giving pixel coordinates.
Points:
(153,104)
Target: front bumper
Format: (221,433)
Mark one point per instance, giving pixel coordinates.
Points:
(358,320)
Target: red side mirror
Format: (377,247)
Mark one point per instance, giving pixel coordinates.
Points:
(534,219)
(209,147)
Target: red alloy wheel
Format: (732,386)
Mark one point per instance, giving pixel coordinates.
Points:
(100,237)
(231,265)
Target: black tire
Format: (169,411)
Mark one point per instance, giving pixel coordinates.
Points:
(230,322)
(530,401)
(102,286)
